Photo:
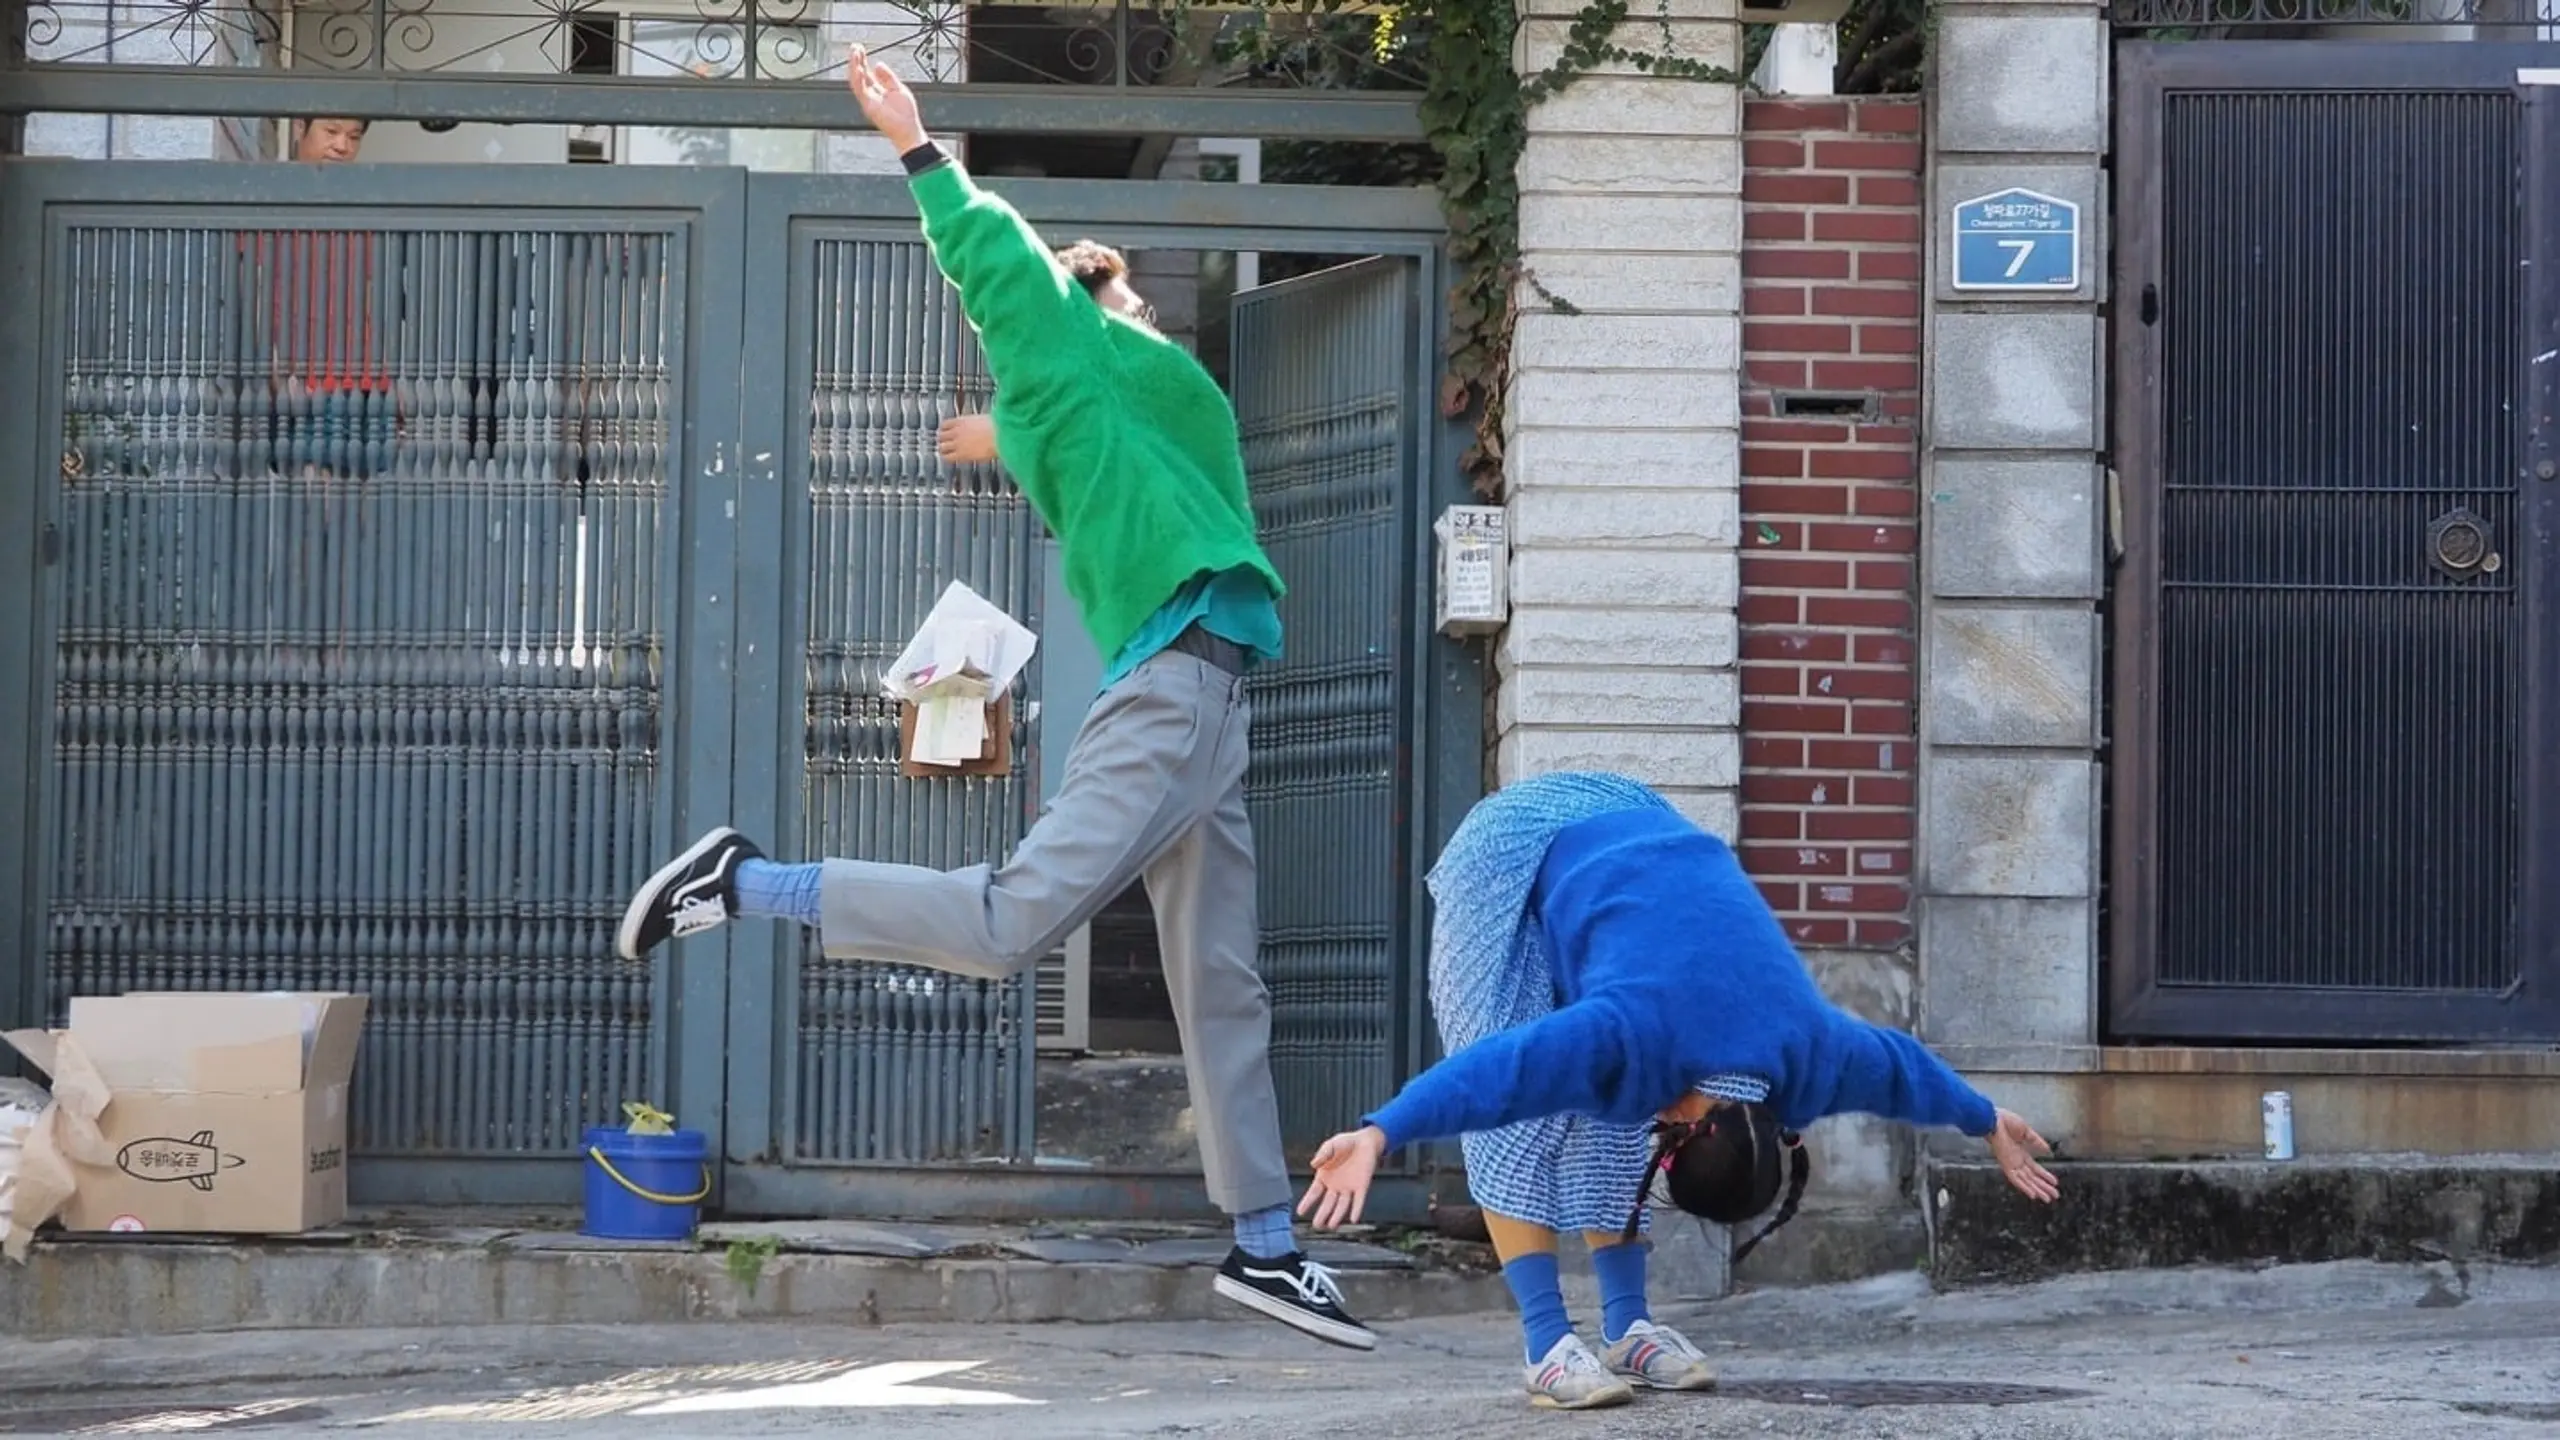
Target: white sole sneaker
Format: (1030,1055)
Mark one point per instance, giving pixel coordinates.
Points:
(635,916)
(1332,1332)
(1603,1399)
(1570,1377)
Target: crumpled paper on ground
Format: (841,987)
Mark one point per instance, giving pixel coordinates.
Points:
(966,652)
(64,1134)
(21,1102)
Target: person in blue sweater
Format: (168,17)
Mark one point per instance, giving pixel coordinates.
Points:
(1621,1008)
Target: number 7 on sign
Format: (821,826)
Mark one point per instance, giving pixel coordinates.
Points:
(2019,251)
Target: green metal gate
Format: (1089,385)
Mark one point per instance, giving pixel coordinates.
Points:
(417,554)
(1326,408)
(881,1090)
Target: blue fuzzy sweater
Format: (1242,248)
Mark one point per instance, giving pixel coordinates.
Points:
(1669,968)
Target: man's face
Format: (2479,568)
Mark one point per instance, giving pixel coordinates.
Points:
(1118,298)
(328,142)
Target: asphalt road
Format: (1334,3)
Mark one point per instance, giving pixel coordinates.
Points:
(2324,1353)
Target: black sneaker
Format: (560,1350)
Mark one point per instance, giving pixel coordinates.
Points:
(1295,1291)
(696,891)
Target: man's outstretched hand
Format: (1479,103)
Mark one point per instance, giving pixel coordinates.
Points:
(966,440)
(2015,1145)
(885,99)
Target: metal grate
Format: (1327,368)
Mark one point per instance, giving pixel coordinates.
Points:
(1870,1393)
(901,1064)
(2340,675)
(1321,367)
(288,760)
(357,628)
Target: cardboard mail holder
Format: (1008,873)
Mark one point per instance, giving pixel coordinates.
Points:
(995,756)
(223,1114)
(953,685)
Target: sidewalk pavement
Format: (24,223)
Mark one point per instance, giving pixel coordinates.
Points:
(462,1268)
(2336,1352)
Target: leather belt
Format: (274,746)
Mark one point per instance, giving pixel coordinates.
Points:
(1199,644)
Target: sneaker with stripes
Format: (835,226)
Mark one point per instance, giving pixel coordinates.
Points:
(1572,1378)
(1660,1358)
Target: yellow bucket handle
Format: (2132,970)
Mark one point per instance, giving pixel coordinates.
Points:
(696,1198)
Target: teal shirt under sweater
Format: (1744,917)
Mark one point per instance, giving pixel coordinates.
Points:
(1234,605)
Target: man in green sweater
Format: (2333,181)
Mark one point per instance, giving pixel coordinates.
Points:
(1128,450)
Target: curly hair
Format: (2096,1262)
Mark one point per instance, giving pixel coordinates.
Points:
(1094,264)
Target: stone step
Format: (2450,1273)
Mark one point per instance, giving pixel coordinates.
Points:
(2118,1215)
(2171,1102)
(376,1274)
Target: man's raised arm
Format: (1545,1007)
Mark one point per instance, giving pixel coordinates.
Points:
(1032,318)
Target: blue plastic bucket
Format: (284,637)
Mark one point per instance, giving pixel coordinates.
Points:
(645,1187)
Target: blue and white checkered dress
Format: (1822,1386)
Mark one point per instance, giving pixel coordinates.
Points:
(1489,973)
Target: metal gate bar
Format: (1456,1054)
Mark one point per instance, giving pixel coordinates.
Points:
(1338,115)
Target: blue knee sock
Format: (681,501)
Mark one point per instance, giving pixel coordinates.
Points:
(1539,1289)
(1620,1270)
(1266,1234)
(779,892)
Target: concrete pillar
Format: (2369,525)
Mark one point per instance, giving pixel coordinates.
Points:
(1624,432)
(2013,501)
(1624,421)
(1800,60)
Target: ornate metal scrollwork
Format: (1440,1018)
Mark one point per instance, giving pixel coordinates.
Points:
(2261,14)
(936,41)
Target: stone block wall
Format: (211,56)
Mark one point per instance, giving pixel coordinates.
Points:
(1623,427)
(1623,424)
(1830,461)
(2013,567)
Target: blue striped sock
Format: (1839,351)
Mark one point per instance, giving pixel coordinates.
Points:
(1538,1286)
(1266,1234)
(779,892)
(1620,1271)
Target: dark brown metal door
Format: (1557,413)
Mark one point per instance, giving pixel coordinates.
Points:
(2333,730)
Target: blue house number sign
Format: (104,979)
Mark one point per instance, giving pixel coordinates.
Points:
(2017,240)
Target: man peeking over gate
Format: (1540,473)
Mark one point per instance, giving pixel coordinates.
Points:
(327,404)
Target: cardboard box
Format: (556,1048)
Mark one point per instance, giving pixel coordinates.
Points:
(995,759)
(226,1114)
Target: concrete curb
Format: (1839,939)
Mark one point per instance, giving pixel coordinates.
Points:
(2131,1215)
(133,1290)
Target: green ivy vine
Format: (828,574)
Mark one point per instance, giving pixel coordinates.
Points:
(1475,108)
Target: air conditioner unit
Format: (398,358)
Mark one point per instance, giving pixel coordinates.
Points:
(1793,12)
(1062,995)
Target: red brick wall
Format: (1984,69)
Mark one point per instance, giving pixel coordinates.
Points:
(1831,299)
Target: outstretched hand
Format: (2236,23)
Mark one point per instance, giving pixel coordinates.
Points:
(966,440)
(1344,1166)
(2015,1144)
(885,100)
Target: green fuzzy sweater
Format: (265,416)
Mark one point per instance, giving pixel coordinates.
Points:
(1125,446)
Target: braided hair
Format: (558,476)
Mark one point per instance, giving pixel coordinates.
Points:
(1725,1168)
